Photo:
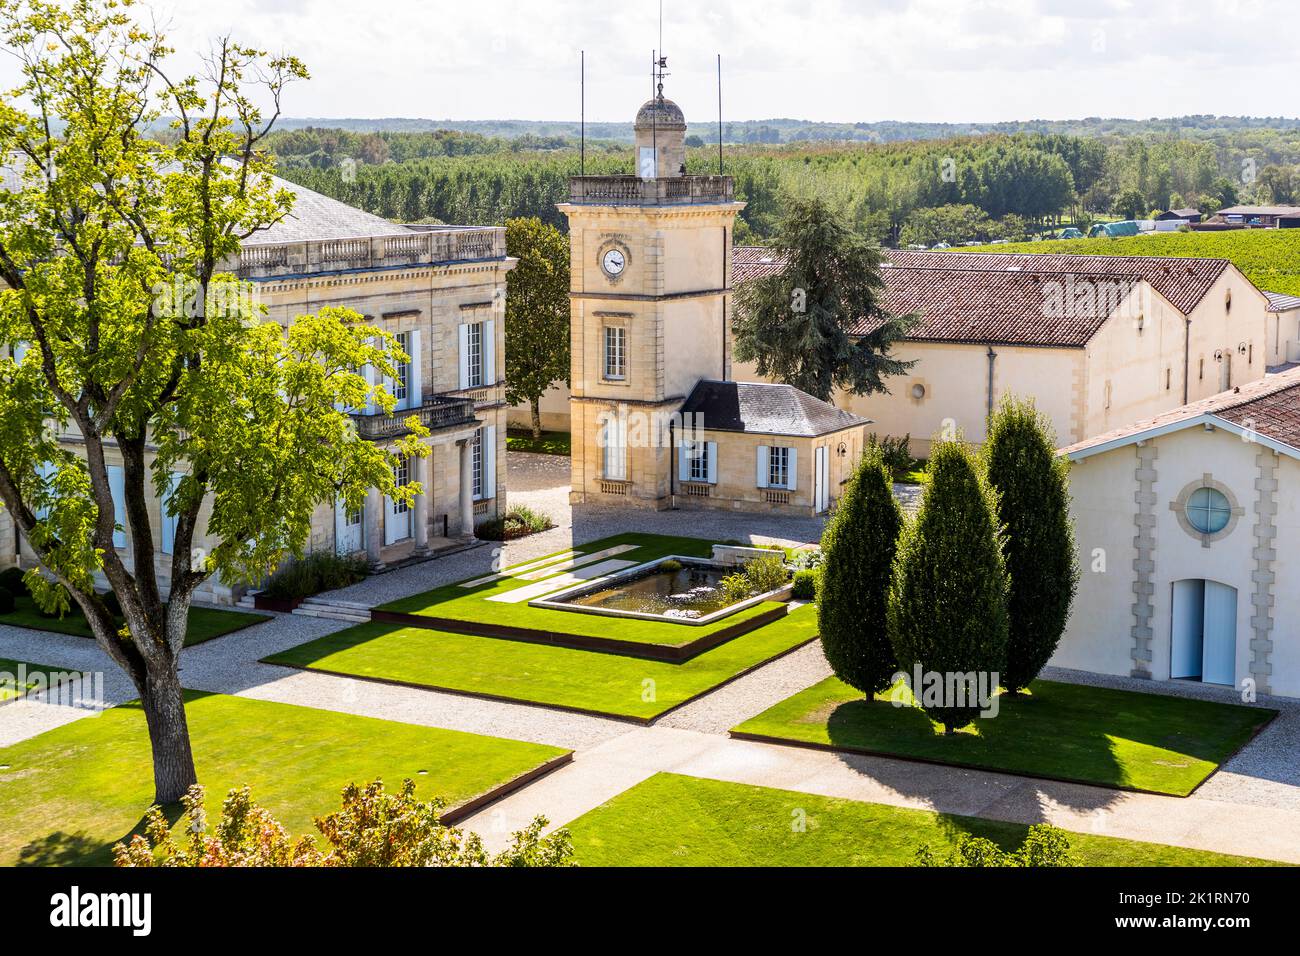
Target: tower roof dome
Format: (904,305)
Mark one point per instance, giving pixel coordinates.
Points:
(660,113)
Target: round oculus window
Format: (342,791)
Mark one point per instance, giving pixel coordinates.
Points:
(1208,510)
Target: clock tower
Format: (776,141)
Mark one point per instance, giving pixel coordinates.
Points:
(650,298)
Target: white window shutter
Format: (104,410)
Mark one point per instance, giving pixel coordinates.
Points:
(117,487)
(711,448)
(764,466)
(414,380)
(490,352)
(463,355)
(168,520)
(791,480)
(490,461)
(683,460)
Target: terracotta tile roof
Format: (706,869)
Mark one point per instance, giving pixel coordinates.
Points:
(1280,302)
(765,409)
(1269,406)
(997,307)
(1183,281)
(753,262)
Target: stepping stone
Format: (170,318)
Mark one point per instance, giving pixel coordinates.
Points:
(576,562)
(513,572)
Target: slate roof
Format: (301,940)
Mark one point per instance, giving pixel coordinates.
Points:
(316,216)
(765,409)
(1269,407)
(1287,211)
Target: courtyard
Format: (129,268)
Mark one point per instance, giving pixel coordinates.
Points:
(617,746)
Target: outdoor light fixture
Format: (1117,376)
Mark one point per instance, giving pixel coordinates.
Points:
(918,391)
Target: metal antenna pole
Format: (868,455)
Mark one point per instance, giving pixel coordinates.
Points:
(719,114)
(582,112)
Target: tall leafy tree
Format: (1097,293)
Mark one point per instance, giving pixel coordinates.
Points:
(122,327)
(1032,485)
(537,313)
(798,325)
(853,588)
(948,599)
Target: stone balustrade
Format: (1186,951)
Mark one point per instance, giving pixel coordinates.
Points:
(434,414)
(664,191)
(423,245)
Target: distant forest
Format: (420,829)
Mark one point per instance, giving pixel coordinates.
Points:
(988,183)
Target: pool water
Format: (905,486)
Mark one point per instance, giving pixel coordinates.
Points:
(691,592)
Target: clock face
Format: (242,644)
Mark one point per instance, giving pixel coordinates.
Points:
(613,262)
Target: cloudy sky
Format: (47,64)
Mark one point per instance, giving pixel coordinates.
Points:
(838,60)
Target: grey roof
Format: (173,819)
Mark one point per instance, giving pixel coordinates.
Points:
(765,409)
(660,113)
(316,216)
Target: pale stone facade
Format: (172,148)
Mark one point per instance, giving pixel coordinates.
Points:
(1164,596)
(442,289)
(651,297)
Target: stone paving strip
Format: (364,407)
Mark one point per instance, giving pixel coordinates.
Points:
(512,572)
(591,574)
(598,774)
(575,563)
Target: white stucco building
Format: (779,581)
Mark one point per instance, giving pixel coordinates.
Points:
(1188,530)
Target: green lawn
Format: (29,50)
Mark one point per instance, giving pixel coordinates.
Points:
(1270,258)
(549,443)
(9,686)
(456,603)
(672,820)
(69,794)
(538,673)
(1094,735)
(205,622)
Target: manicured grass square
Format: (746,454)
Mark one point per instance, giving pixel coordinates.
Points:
(205,622)
(456,603)
(1095,735)
(548,443)
(673,820)
(538,673)
(68,795)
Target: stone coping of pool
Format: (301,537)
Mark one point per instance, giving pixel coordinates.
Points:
(671,653)
(558,600)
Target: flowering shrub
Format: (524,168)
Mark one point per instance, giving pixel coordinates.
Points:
(373,828)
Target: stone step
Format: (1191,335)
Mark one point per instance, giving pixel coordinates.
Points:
(335,614)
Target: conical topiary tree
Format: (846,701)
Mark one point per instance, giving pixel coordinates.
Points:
(948,597)
(1032,486)
(853,590)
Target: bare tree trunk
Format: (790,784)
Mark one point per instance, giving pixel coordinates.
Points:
(169,735)
(537,417)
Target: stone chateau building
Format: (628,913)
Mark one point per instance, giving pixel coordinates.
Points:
(441,291)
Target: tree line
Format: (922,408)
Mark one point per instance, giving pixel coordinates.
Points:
(955,189)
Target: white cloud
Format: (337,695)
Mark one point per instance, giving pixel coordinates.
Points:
(948,60)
